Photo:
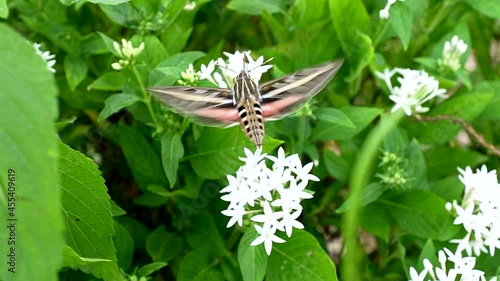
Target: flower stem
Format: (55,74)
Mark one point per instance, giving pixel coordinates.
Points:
(359,179)
(146,97)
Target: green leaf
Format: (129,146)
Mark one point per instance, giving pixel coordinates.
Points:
(164,76)
(108,2)
(202,231)
(350,19)
(334,116)
(492,109)
(218,151)
(141,158)
(182,60)
(466,106)
(490,8)
(379,225)
(163,246)
(172,151)
(430,63)
(108,42)
(4,9)
(371,193)
(87,210)
(421,213)
(337,166)
(150,268)
(196,266)
(256,7)
(28,149)
(64,122)
(417,166)
(360,116)
(443,160)
(115,103)
(109,81)
(300,258)
(122,13)
(252,260)
(75,68)
(124,246)
(73,260)
(402,22)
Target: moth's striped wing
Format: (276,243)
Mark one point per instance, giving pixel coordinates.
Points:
(288,94)
(207,106)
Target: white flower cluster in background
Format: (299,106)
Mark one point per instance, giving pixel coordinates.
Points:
(127,54)
(416,88)
(463,269)
(46,56)
(452,52)
(270,198)
(189,76)
(479,212)
(225,78)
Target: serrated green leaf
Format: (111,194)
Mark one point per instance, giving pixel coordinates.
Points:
(150,268)
(73,260)
(252,260)
(360,116)
(115,103)
(172,151)
(87,210)
(217,151)
(141,158)
(466,106)
(334,116)
(196,266)
(28,149)
(163,246)
(109,81)
(421,213)
(75,68)
(300,258)
(256,7)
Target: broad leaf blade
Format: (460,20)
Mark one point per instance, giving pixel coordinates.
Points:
(172,151)
(28,149)
(85,202)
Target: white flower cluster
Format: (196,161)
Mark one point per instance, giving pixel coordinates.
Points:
(479,212)
(46,56)
(189,76)
(463,267)
(417,87)
(236,63)
(127,54)
(269,197)
(452,52)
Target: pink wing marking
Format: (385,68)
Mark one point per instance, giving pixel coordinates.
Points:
(221,114)
(276,107)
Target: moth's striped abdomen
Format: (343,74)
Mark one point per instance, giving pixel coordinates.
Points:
(250,115)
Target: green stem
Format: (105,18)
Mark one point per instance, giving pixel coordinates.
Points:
(146,97)
(359,179)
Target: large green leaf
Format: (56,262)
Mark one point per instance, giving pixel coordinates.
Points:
(350,20)
(421,213)
(300,258)
(443,160)
(141,158)
(256,7)
(402,22)
(163,245)
(28,175)
(202,231)
(360,116)
(218,151)
(490,8)
(115,103)
(172,151)
(252,260)
(196,266)
(87,210)
(466,106)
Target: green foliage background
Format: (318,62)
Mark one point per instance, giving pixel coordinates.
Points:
(111,185)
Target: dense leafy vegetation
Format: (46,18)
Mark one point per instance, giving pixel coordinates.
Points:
(110,184)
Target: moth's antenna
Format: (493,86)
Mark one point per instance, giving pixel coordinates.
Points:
(268,60)
(225,67)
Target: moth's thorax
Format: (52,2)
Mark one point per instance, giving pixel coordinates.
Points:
(246,97)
